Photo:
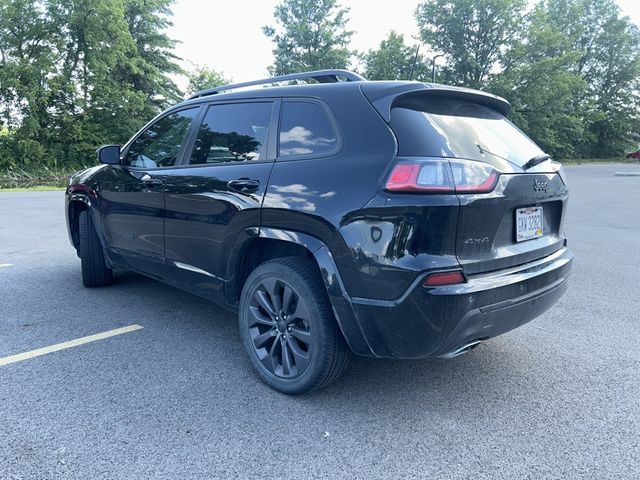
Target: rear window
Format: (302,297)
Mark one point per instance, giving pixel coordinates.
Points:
(446,127)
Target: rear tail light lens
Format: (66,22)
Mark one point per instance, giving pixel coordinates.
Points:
(444,278)
(442,176)
(424,176)
(473,177)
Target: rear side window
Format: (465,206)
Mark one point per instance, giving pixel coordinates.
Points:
(446,127)
(306,130)
(235,132)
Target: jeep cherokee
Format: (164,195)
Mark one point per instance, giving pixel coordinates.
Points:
(388,219)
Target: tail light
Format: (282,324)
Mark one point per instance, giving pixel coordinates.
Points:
(442,176)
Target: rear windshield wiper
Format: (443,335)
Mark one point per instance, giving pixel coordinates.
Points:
(484,150)
(535,161)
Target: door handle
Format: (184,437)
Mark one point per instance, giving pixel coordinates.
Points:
(149,180)
(244,185)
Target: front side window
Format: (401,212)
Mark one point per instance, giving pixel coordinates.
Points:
(159,145)
(234,132)
(306,129)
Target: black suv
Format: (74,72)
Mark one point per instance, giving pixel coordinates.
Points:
(388,219)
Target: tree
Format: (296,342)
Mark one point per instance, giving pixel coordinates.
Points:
(311,35)
(75,74)
(27,63)
(202,78)
(154,60)
(608,47)
(617,92)
(394,60)
(89,101)
(472,34)
(570,68)
(547,95)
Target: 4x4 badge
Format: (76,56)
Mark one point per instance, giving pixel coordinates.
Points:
(540,186)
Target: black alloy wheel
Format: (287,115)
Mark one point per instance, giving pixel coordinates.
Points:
(280,328)
(288,328)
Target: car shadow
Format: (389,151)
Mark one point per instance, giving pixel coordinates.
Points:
(466,373)
(481,382)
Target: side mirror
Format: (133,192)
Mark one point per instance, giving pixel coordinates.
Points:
(109,154)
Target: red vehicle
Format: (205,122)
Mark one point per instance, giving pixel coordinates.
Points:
(635,155)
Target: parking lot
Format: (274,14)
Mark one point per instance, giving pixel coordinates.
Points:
(177,398)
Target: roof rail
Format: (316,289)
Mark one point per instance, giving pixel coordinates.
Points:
(321,76)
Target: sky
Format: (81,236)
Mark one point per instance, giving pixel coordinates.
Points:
(228,35)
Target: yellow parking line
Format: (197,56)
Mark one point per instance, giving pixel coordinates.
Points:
(64,345)
(3,265)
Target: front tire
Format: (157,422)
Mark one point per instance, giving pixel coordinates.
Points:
(288,329)
(95,272)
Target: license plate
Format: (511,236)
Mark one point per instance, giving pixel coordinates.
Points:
(528,223)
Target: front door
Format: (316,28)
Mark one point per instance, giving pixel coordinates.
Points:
(132,193)
(216,195)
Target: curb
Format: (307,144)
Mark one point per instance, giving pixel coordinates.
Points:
(627,174)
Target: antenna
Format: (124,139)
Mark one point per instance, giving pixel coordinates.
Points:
(413,65)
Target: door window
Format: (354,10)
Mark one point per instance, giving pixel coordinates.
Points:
(159,145)
(234,132)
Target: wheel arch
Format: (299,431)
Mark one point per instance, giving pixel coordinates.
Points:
(270,243)
(77,203)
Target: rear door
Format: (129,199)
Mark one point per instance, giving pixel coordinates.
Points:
(217,193)
(132,193)
(521,218)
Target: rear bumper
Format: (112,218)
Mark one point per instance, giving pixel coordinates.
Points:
(439,321)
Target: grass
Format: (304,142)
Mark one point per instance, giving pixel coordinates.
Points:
(18,180)
(34,188)
(588,161)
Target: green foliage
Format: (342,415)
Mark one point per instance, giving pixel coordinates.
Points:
(471,34)
(311,35)
(606,50)
(547,95)
(570,68)
(75,74)
(153,58)
(610,64)
(394,60)
(202,78)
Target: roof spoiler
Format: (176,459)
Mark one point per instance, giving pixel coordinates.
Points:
(382,95)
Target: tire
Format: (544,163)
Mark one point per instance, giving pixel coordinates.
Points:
(288,328)
(95,272)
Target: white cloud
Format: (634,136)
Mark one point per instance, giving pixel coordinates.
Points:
(295,151)
(303,136)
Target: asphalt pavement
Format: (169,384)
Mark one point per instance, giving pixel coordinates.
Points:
(177,399)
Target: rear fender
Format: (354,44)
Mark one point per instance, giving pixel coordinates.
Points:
(338,297)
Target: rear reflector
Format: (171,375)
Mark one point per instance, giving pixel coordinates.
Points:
(442,176)
(444,278)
